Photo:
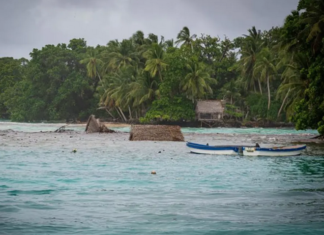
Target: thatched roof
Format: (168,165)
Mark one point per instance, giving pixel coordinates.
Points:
(209,106)
(155,133)
(94,126)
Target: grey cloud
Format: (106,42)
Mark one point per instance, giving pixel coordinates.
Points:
(28,24)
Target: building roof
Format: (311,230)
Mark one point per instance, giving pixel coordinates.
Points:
(209,106)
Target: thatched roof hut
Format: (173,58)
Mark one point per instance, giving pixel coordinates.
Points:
(94,126)
(155,133)
(210,110)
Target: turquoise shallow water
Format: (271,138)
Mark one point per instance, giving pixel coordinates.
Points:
(108,189)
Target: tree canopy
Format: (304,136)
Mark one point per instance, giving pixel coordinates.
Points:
(269,75)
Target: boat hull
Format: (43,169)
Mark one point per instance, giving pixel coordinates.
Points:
(273,152)
(213,150)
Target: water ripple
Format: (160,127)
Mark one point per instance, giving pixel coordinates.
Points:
(107,190)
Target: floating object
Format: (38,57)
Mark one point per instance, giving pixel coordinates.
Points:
(153,172)
(218,150)
(74,151)
(246,150)
(275,151)
(94,126)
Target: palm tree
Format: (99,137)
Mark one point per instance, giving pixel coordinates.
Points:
(230,91)
(294,82)
(185,37)
(94,64)
(313,18)
(169,43)
(138,38)
(152,38)
(226,46)
(144,89)
(120,54)
(252,44)
(197,82)
(117,90)
(155,60)
(266,69)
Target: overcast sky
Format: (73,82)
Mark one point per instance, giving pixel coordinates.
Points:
(28,24)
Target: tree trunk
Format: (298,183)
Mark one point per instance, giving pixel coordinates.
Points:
(254,87)
(247,114)
(99,76)
(121,111)
(269,97)
(283,103)
(160,75)
(110,113)
(260,87)
(130,113)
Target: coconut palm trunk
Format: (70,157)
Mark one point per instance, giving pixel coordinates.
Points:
(122,113)
(130,112)
(110,113)
(269,97)
(160,75)
(99,76)
(283,103)
(260,87)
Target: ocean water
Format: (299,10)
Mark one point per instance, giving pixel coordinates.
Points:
(32,127)
(106,187)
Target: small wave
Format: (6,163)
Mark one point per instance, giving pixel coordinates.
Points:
(29,192)
(308,190)
(5,208)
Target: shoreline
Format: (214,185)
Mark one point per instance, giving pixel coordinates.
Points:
(189,124)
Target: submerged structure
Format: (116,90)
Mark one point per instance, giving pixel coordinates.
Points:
(94,126)
(155,133)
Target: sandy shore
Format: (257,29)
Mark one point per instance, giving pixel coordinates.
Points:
(114,124)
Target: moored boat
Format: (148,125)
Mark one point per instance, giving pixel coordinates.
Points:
(218,150)
(275,151)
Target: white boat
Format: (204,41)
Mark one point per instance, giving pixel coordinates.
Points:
(274,152)
(218,150)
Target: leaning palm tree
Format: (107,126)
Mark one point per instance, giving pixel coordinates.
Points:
(185,38)
(294,82)
(155,60)
(117,90)
(197,83)
(144,90)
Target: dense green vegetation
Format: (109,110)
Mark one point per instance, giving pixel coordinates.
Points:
(272,75)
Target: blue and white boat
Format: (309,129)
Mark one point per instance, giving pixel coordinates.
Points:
(218,150)
(275,151)
(246,150)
